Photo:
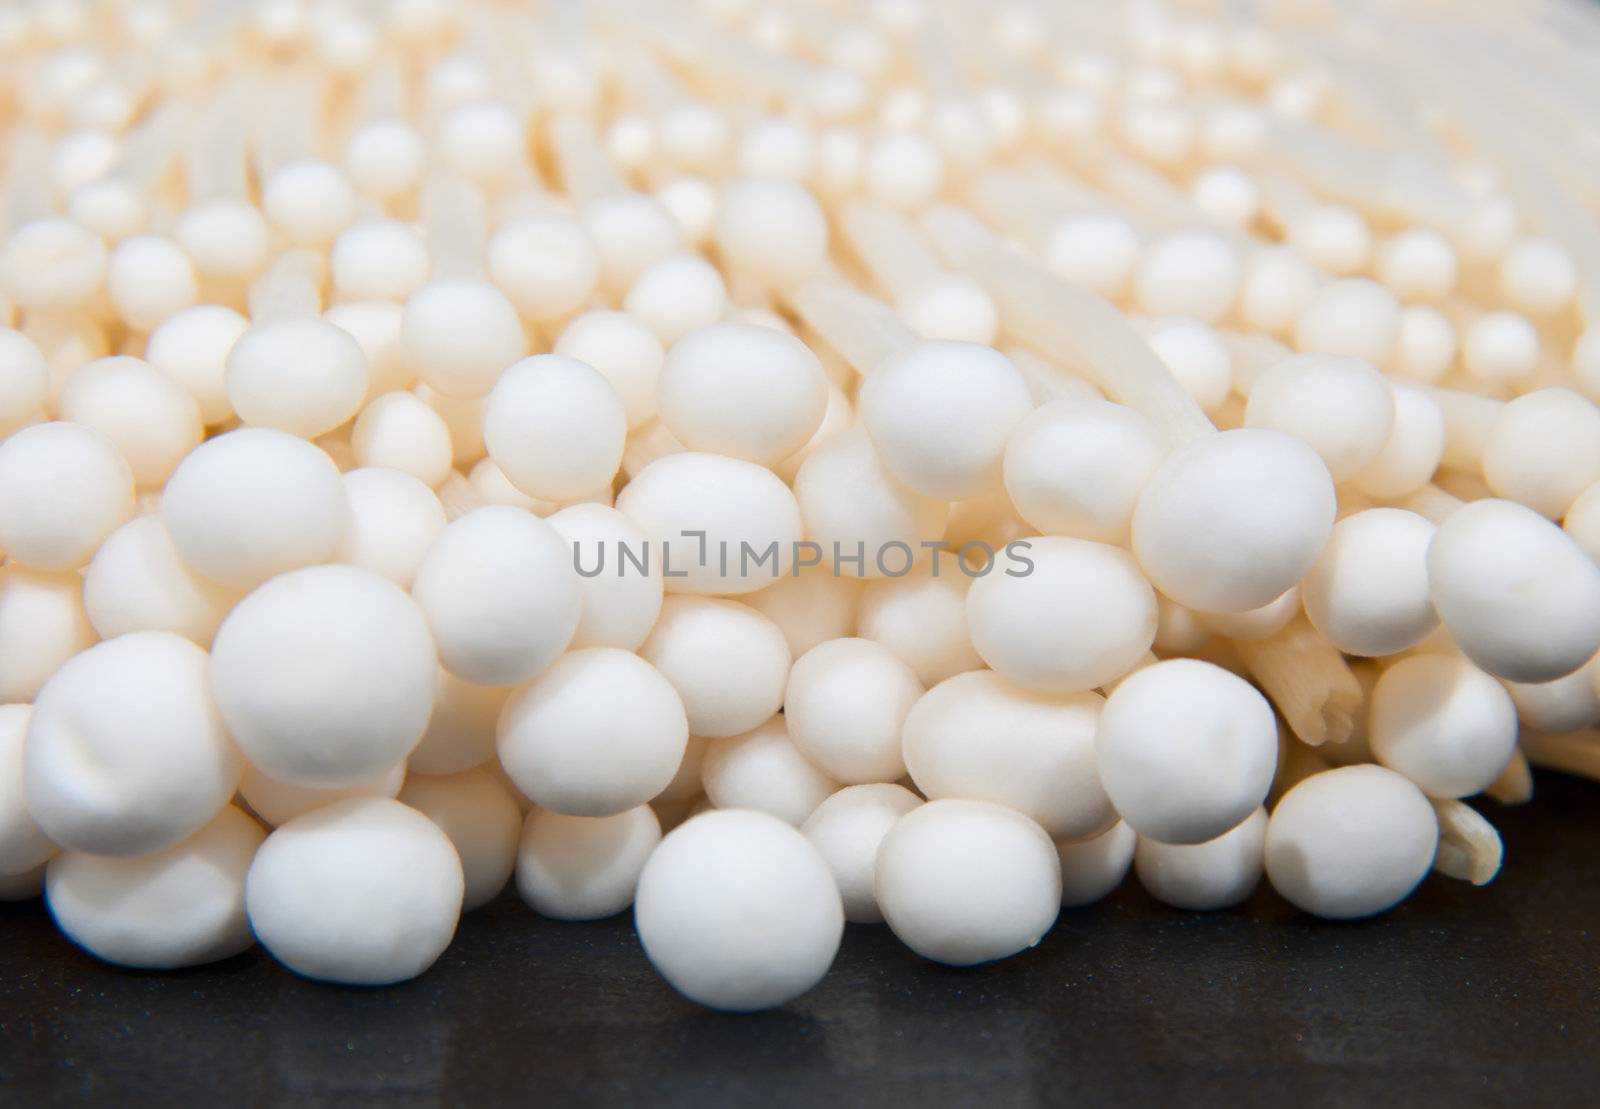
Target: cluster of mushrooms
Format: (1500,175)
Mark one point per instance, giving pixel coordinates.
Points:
(770,463)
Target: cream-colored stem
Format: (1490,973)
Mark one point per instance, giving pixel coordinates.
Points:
(456,220)
(1376,183)
(1515,784)
(644,446)
(1070,325)
(291,289)
(1569,752)
(27,179)
(1149,659)
(292,129)
(517,36)
(740,63)
(1468,421)
(865,332)
(149,151)
(586,172)
(216,163)
(1498,135)
(889,246)
(1162,205)
(1354,108)
(382,92)
(1283,199)
(1462,484)
(1352,501)
(459,496)
(1046,381)
(1027,207)
(1432,503)
(1296,763)
(1252,355)
(1469,847)
(646,86)
(1310,682)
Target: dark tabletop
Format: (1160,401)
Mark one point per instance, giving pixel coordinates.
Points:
(1463,995)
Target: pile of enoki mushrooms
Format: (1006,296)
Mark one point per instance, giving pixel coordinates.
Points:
(770,463)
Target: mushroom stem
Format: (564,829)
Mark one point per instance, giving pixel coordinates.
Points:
(295,129)
(149,150)
(1070,323)
(1046,380)
(695,44)
(216,162)
(1310,682)
(1569,752)
(291,289)
(1469,847)
(1150,659)
(1464,485)
(381,95)
(1296,763)
(889,246)
(1468,421)
(643,82)
(1432,503)
(26,184)
(459,496)
(515,37)
(455,217)
(1376,183)
(644,446)
(1284,200)
(1480,117)
(866,332)
(586,172)
(1252,354)
(1027,205)
(1161,205)
(1515,784)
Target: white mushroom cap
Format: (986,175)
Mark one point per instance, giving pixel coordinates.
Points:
(1368,593)
(1186,750)
(179,907)
(978,736)
(598,733)
(584,867)
(845,705)
(1229,522)
(737,910)
(711,521)
(1518,595)
(741,390)
(763,770)
(365,891)
(847,829)
(63,488)
(966,882)
(253,503)
(126,753)
(324,675)
(1092,868)
(727,661)
(940,415)
(1342,407)
(1076,616)
(479,814)
(1212,875)
(500,595)
(1350,842)
(1443,723)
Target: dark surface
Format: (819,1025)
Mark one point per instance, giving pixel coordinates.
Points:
(1461,996)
